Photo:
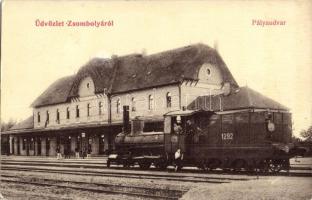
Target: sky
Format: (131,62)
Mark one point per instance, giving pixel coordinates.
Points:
(273,60)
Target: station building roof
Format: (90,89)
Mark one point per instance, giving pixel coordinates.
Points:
(240,98)
(136,72)
(24,125)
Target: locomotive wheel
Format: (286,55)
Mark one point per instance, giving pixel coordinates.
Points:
(202,165)
(263,166)
(275,165)
(213,164)
(162,165)
(144,165)
(126,165)
(238,164)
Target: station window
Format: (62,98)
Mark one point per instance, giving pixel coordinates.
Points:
(150,102)
(100,107)
(38,117)
(48,117)
(168,100)
(67,113)
(118,106)
(77,111)
(133,106)
(88,109)
(57,116)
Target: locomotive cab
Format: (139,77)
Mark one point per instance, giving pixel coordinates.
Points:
(182,130)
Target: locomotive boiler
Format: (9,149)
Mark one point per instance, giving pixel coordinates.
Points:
(247,139)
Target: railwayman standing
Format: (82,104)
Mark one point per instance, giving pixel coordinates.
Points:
(178,157)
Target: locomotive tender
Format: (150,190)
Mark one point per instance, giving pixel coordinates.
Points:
(244,139)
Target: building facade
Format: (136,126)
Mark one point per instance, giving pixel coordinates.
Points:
(85,110)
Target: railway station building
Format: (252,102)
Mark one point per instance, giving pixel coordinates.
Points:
(87,108)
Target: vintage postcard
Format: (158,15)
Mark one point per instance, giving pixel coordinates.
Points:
(156,99)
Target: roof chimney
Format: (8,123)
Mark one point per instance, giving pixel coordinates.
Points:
(215,45)
(143,52)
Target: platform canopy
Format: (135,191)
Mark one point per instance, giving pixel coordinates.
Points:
(185,112)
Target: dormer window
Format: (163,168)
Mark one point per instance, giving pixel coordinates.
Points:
(86,87)
(208,72)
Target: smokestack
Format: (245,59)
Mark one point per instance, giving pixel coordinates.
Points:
(126,119)
(215,45)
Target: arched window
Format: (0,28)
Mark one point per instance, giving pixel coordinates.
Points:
(118,106)
(150,102)
(77,111)
(67,113)
(133,106)
(57,116)
(100,107)
(88,109)
(38,117)
(168,100)
(48,117)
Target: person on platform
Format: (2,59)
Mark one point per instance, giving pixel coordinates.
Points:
(89,151)
(58,153)
(77,153)
(177,129)
(83,152)
(178,157)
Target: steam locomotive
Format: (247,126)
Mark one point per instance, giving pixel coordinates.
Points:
(234,140)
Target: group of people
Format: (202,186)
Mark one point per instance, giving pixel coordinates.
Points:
(192,133)
(78,153)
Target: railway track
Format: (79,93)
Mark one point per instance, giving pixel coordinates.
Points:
(97,165)
(295,170)
(127,190)
(167,177)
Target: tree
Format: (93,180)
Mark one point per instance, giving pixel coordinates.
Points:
(307,134)
(7,125)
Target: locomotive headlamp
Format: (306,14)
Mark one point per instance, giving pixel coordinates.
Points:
(178,119)
(271,126)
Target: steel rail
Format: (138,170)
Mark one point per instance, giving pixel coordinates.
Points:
(107,191)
